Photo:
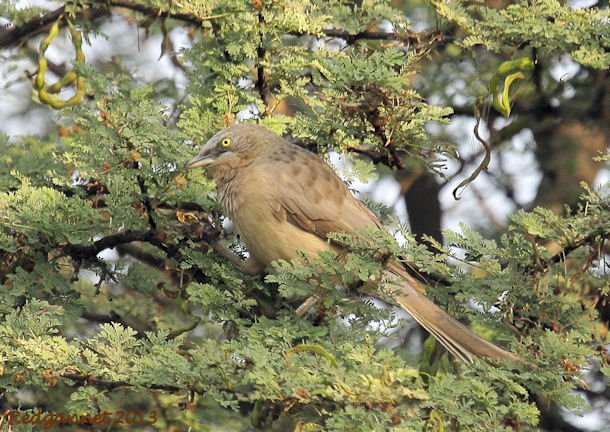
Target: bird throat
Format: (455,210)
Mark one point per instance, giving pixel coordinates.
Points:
(227,180)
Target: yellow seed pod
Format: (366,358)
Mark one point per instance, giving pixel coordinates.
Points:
(52,101)
(66,80)
(509,71)
(47,94)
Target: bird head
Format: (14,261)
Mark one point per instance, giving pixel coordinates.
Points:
(230,145)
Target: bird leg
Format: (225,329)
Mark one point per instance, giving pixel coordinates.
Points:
(253,268)
(248,266)
(306,305)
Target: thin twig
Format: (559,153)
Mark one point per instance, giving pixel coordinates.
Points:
(484,163)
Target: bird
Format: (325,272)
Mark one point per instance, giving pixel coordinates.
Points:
(285,200)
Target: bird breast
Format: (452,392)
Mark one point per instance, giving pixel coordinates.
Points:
(249,200)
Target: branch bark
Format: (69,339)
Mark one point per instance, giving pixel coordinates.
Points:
(18,35)
(90,251)
(89,380)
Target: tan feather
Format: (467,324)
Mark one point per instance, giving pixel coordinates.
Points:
(283,199)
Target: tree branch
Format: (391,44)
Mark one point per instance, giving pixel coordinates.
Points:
(411,38)
(16,35)
(87,252)
(261,83)
(113,317)
(89,380)
(19,35)
(561,256)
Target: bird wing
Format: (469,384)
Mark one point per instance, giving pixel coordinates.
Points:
(316,200)
(312,197)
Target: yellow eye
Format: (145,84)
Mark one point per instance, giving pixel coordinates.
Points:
(225,142)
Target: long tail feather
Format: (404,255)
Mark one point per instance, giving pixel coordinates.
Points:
(458,339)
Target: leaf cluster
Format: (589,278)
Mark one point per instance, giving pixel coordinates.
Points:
(114,298)
(547,25)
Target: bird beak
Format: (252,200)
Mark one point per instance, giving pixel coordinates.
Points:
(201,160)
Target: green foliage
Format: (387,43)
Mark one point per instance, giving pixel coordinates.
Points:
(167,326)
(545,24)
(18,16)
(342,95)
(45,215)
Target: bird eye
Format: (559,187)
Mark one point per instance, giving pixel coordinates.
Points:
(225,142)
